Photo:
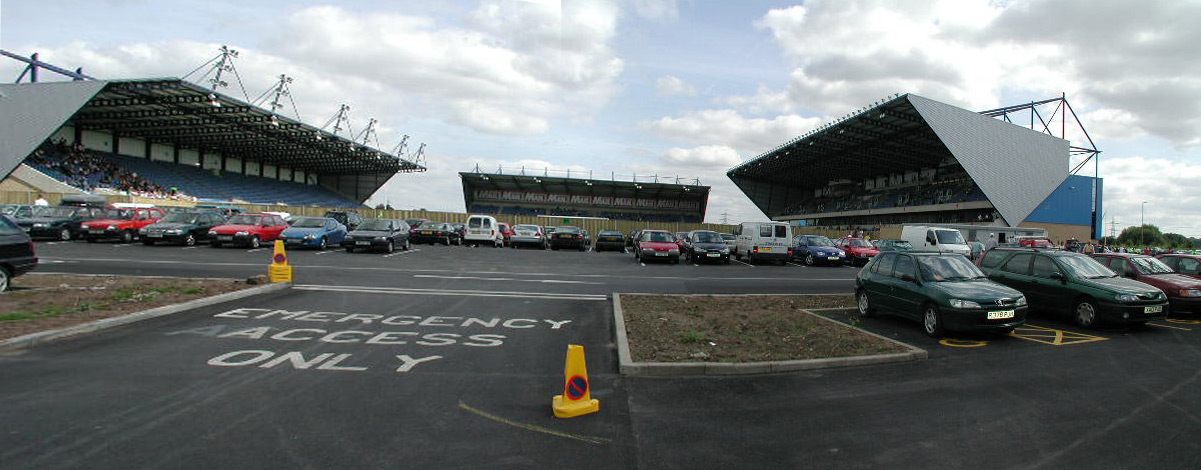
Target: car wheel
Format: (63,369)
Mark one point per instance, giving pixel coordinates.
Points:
(865,308)
(3,279)
(190,241)
(809,261)
(932,322)
(324,244)
(255,242)
(407,245)
(390,248)
(65,234)
(126,236)
(446,241)
(1085,313)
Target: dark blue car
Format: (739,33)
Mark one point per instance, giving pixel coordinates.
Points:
(314,232)
(816,249)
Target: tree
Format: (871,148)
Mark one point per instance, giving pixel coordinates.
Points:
(1144,235)
(1175,240)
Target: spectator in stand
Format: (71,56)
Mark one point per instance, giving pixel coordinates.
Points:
(41,200)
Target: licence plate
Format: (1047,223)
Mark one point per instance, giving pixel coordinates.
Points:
(225,238)
(362,243)
(154,235)
(660,254)
(1000,314)
(766,249)
(95,232)
(713,255)
(564,236)
(427,232)
(833,258)
(1153,309)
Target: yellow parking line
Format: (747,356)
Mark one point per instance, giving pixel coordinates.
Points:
(1052,336)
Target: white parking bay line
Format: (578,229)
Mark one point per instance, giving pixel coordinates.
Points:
(747,264)
(255,250)
(325,252)
(398,253)
(454,292)
(190,247)
(509,279)
(797,265)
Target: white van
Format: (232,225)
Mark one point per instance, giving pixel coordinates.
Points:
(483,229)
(936,239)
(763,241)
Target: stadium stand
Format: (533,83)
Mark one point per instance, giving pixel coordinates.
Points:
(540,194)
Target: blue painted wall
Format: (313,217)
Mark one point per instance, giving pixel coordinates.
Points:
(1072,203)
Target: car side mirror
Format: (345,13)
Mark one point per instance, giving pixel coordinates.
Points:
(908,278)
(931,240)
(1058,276)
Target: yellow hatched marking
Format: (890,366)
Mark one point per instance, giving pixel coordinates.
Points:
(962,343)
(1052,336)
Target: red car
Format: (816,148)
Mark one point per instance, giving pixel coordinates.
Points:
(247,230)
(120,224)
(1035,242)
(1184,292)
(505,230)
(858,250)
(656,245)
(1188,265)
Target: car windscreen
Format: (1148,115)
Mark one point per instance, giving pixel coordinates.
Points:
(947,268)
(728,237)
(310,222)
(567,229)
(244,220)
(662,237)
(433,226)
(1150,265)
(902,244)
(818,241)
(707,237)
(1085,267)
(180,218)
(950,237)
(859,242)
(375,224)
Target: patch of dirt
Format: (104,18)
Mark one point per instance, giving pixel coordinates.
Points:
(664,328)
(45,302)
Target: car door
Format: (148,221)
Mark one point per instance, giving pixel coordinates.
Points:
(1015,272)
(1043,288)
(908,295)
(879,287)
(802,248)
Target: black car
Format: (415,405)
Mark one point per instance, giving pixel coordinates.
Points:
(58,223)
(434,233)
(183,228)
(348,218)
(378,234)
(568,236)
(706,245)
(16,252)
(610,240)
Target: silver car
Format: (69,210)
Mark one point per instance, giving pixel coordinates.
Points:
(528,235)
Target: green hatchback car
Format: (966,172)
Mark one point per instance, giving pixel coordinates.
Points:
(1075,285)
(943,291)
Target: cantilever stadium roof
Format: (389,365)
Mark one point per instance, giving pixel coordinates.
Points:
(1015,167)
(170,110)
(576,186)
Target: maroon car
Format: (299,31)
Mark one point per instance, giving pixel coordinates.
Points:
(858,250)
(1188,265)
(1184,292)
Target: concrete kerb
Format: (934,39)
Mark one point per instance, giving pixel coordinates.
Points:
(43,337)
(627,366)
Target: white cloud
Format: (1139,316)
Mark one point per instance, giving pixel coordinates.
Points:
(671,86)
(1168,186)
(663,10)
(729,128)
(704,156)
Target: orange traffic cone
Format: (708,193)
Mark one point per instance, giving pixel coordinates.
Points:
(576,399)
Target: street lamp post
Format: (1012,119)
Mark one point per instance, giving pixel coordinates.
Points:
(1142,224)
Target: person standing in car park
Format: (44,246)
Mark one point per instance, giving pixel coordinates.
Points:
(1088,248)
(992,242)
(41,200)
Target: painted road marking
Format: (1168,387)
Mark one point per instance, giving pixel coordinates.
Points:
(256,250)
(406,252)
(962,343)
(1052,336)
(454,292)
(797,265)
(323,252)
(1183,321)
(531,427)
(190,247)
(545,281)
(747,264)
(1169,326)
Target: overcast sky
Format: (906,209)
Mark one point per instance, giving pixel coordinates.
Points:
(687,88)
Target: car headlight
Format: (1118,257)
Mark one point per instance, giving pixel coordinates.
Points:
(1020,301)
(381,238)
(39,225)
(242,234)
(1190,292)
(112,227)
(957,303)
(310,236)
(174,231)
(840,253)
(673,250)
(701,250)
(212,233)
(1126,298)
(648,250)
(143,230)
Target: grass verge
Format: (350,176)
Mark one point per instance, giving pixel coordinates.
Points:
(667,328)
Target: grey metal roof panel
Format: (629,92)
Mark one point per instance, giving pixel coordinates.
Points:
(32,112)
(1017,168)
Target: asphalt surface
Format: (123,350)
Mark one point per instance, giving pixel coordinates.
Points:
(259,387)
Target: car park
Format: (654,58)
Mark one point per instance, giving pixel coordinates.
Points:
(944,292)
(378,234)
(1186,264)
(763,241)
(568,236)
(348,219)
(17,253)
(184,228)
(706,245)
(482,230)
(1074,285)
(314,232)
(610,240)
(247,230)
(893,245)
(936,239)
(816,249)
(528,235)
(657,245)
(858,250)
(120,224)
(225,210)
(58,223)
(1184,292)
(434,233)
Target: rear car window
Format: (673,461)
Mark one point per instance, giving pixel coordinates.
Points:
(1189,266)
(884,264)
(474,222)
(764,231)
(781,231)
(904,265)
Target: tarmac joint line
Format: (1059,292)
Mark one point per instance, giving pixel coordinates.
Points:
(531,427)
